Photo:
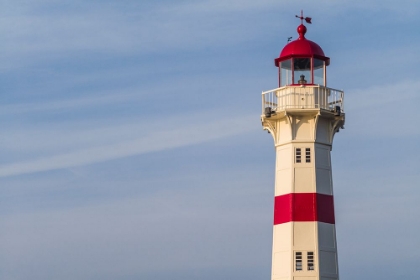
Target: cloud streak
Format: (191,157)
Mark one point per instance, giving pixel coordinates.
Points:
(153,142)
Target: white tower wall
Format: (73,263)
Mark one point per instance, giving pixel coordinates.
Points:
(304,238)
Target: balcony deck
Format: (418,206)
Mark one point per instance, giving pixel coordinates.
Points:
(303,97)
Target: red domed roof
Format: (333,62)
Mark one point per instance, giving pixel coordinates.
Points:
(302,48)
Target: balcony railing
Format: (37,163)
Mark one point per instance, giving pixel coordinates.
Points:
(303,97)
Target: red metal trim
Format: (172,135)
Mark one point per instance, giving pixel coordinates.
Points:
(323,58)
(304,207)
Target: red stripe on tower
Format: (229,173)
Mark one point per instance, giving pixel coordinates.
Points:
(304,207)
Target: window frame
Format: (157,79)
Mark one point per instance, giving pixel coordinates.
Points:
(298,261)
(298,155)
(310,260)
(307,155)
(310,78)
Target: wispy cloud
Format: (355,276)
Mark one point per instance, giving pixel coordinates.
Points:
(151,142)
(383,111)
(111,28)
(65,103)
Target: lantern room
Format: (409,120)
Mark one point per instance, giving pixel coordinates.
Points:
(302,62)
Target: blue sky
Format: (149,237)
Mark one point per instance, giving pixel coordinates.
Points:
(131,145)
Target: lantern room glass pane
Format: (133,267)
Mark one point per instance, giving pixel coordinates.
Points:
(302,68)
(319,66)
(285,72)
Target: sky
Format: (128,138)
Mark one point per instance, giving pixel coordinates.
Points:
(131,145)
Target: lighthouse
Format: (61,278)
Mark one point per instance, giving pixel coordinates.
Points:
(303,115)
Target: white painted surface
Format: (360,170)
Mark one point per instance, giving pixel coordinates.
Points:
(328,262)
(323,181)
(283,237)
(327,239)
(281,264)
(302,97)
(303,128)
(322,158)
(323,131)
(304,180)
(304,236)
(303,119)
(284,182)
(284,157)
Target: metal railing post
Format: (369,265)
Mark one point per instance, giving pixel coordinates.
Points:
(302,97)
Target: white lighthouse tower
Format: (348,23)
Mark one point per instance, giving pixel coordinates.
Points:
(303,115)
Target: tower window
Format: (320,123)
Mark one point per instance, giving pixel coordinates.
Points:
(298,155)
(308,155)
(311,265)
(298,261)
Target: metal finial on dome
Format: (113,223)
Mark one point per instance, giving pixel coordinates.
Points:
(307,19)
(302,31)
(302,28)
(302,47)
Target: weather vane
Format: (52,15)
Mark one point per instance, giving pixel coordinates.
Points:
(307,19)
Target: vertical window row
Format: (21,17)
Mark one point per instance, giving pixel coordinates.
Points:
(311,265)
(308,155)
(298,261)
(298,155)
